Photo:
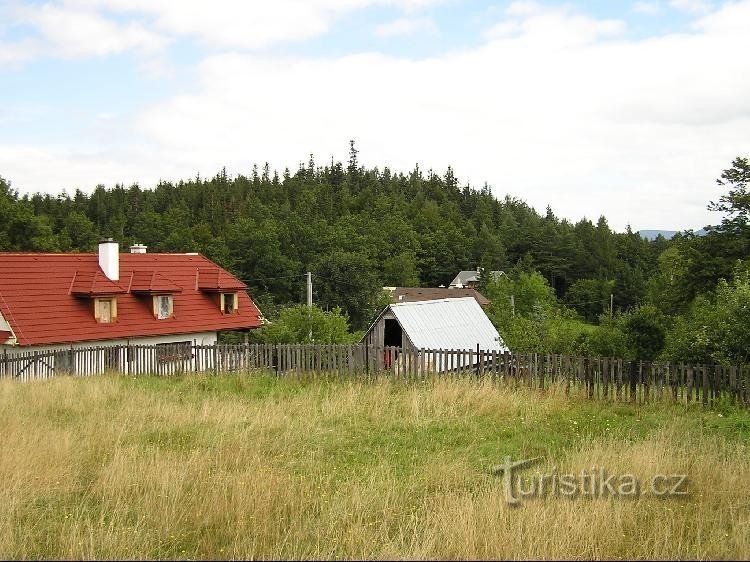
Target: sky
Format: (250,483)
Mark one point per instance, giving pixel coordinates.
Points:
(627,109)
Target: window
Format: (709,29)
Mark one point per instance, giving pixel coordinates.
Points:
(105,310)
(163,306)
(229,303)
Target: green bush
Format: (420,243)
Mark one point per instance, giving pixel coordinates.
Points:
(303,324)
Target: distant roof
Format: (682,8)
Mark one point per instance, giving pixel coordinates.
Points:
(472,276)
(465,277)
(447,324)
(46,298)
(414,294)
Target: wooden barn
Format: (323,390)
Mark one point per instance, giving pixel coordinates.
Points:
(455,323)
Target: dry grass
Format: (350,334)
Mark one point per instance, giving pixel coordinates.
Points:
(253,467)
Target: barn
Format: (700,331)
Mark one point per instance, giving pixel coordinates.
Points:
(455,323)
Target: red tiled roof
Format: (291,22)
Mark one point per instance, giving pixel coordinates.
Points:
(152,282)
(217,280)
(4,335)
(37,300)
(94,283)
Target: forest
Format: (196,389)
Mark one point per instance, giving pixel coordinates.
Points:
(358,229)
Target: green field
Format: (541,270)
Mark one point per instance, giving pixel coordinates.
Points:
(251,466)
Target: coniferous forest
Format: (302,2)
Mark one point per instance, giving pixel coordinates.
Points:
(359,229)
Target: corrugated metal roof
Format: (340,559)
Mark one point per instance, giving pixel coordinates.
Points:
(448,324)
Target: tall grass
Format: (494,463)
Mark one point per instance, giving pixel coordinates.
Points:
(254,467)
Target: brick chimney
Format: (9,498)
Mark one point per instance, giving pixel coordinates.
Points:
(109,258)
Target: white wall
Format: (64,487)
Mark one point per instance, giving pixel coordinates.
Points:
(5,327)
(3,324)
(201,338)
(23,363)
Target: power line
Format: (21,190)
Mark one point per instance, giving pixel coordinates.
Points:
(258,278)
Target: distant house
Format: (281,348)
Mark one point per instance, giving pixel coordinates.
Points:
(48,301)
(455,323)
(415,294)
(470,278)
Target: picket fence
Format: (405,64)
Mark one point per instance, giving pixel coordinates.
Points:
(602,378)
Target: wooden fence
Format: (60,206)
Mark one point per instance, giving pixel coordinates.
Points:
(602,378)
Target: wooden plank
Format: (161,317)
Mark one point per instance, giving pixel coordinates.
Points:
(704,376)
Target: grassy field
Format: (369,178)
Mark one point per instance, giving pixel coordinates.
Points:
(255,467)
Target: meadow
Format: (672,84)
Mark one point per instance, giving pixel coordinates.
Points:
(254,466)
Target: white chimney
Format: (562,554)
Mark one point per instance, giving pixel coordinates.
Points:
(138,249)
(109,259)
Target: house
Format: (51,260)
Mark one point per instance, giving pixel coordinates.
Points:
(470,278)
(453,323)
(414,294)
(49,301)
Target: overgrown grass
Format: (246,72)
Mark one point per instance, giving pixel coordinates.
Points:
(252,466)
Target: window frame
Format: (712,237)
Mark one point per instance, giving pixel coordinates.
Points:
(235,303)
(158,307)
(112,309)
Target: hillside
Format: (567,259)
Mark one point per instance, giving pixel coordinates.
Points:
(356,229)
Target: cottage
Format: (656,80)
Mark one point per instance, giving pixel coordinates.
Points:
(470,279)
(49,301)
(452,324)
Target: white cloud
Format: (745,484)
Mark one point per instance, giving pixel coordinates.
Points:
(17,53)
(523,8)
(76,33)
(692,6)
(242,24)
(560,26)
(648,8)
(559,110)
(90,28)
(405,26)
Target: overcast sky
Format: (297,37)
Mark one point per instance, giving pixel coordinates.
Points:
(627,109)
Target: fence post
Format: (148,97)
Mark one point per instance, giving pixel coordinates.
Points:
(247,354)
(704,369)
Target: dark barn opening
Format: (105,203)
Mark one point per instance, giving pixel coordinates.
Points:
(393,334)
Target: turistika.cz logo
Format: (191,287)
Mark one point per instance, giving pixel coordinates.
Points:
(592,483)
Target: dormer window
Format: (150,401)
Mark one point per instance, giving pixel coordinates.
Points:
(105,310)
(229,303)
(163,306)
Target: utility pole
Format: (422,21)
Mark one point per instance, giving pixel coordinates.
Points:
(309,302)
(611,300)
(513,304)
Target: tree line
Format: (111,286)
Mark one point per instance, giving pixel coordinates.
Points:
(358,229)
